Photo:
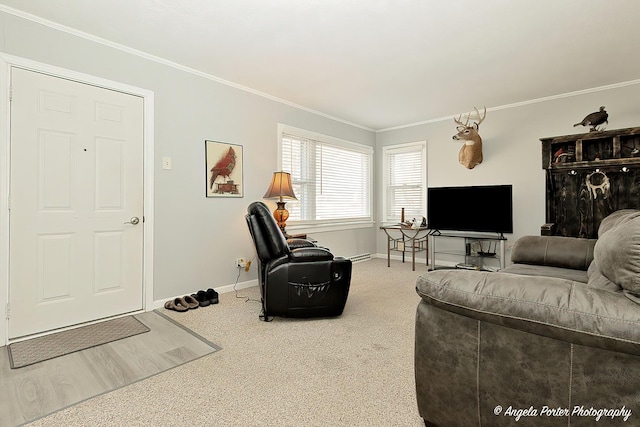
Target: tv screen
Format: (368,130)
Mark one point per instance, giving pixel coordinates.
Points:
(477,208)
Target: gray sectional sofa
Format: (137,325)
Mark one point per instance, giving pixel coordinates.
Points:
(552,340)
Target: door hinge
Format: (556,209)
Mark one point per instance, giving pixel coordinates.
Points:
(9,201)
(10,93)
(7,310)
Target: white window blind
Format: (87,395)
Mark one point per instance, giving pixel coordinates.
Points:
(405,181)
(332,182)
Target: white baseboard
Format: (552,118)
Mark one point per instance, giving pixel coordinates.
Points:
(241,285)
(419,260)
(407,257)
(219,289)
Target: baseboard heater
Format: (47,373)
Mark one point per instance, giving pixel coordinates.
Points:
(360,257)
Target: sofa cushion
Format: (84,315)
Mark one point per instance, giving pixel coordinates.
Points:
(617,251)
(557,308)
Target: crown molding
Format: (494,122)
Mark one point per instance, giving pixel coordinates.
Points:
(521,104)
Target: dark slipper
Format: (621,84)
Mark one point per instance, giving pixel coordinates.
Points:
(176,305)
(212,296)
(190,302)
(201,297)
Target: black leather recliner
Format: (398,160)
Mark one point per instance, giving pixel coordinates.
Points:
(301,282)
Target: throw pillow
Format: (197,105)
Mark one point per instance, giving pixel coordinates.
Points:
(597,280)
(615,218)
(617,253)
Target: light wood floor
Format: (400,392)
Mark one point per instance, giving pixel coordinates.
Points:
(34,391)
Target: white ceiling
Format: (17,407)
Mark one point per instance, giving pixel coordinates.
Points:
(377,63)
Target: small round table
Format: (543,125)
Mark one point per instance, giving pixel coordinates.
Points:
(398,236)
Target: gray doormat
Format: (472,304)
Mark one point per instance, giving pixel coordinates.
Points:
(28,352)
(39,390)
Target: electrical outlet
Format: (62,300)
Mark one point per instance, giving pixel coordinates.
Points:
(241,262)
(166,163)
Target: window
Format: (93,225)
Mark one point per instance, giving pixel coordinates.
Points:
(404,181)
(331,178)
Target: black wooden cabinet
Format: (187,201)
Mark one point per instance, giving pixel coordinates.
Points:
(589,176)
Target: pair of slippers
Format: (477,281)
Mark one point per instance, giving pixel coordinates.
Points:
(206,298)
(185,303)
(188,302)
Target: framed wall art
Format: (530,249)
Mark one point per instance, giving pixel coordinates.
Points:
(224,169)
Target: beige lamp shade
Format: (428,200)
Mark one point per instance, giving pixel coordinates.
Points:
(280,187)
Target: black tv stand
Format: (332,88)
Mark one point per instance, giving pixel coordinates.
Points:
(479,252)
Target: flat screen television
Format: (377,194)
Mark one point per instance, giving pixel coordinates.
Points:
(487,208)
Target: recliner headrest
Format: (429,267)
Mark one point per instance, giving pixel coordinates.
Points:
(268,238)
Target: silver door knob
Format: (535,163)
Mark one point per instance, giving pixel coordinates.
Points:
(134,220)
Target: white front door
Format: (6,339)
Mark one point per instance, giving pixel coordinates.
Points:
(76,189)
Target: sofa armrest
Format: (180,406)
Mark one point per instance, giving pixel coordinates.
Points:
(554,251)
(556,308)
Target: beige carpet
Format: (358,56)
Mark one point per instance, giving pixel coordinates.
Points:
(28,352)
(355,370)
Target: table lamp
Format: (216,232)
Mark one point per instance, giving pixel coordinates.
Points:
(281,188)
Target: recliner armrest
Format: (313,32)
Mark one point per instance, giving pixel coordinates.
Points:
(295,243)
(310,254)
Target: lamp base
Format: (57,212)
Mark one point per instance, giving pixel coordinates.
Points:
(281,214)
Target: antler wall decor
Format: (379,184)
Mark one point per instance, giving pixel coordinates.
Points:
(470,154)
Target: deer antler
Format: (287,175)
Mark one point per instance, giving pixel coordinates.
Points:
(480,119)
(459,122)
(469,116)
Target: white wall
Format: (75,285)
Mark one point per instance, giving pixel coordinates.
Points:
(512,148)
(197,239)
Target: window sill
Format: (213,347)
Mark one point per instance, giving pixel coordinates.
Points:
(328,227)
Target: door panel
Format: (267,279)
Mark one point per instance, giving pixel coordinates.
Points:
(76,180)
(54,266)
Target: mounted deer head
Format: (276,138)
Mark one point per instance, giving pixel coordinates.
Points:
(470,154)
